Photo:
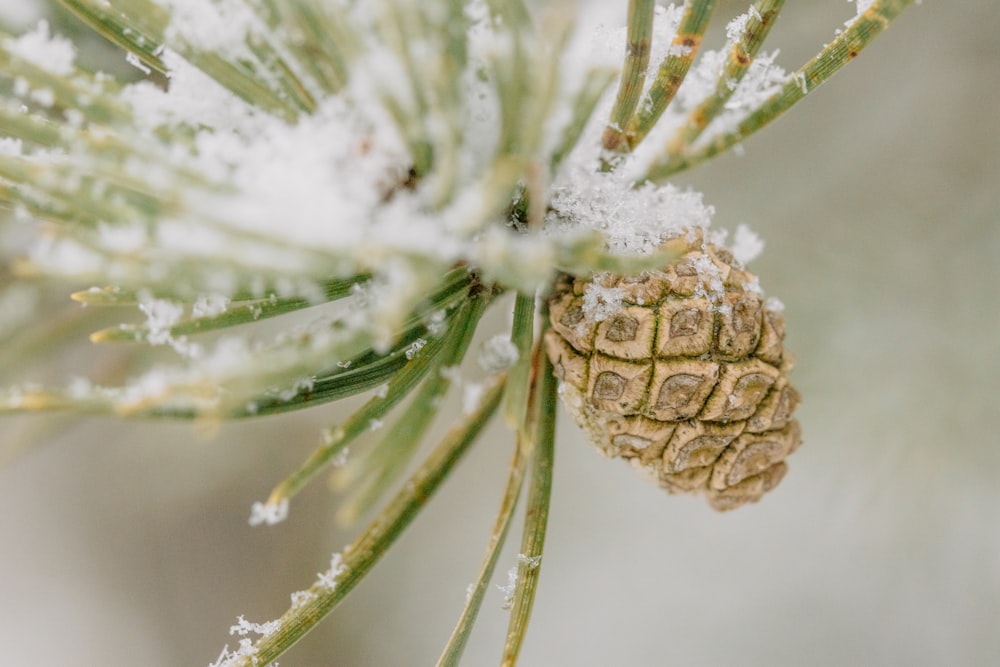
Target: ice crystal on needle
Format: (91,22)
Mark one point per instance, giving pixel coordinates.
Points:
(268,514)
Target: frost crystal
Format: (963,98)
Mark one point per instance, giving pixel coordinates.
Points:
(529,563)
(328,579)
(471,395)
(775,304)
(211,305)
(436,324)
(226,657)
(135,62)
(415,347)
(710,284)
(268,514)
(160,316)
(746,245)
(738,26)
(601,303)
(762,80)
(498,354)
(300,598)
(246,648)
(244,627)
(800,78)
(508,590)
(299,387)
(340,459)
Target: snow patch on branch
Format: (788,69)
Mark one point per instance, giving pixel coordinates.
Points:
(635,220)
(223,25)
(40,47)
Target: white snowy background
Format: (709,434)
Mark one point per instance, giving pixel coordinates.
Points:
(128,544)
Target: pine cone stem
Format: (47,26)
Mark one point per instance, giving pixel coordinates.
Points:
(452,653)
(543,405)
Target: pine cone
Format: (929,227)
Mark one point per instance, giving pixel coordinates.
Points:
(680,371)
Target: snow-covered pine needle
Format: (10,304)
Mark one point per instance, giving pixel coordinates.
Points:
(844,48)
(746,33)
(633,76)
(673,69)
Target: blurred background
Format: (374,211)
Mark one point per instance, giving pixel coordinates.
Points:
(127,543)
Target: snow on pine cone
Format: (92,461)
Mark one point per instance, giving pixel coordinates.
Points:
(680,371)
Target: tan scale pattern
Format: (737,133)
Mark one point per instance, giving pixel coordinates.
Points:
(687,380)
